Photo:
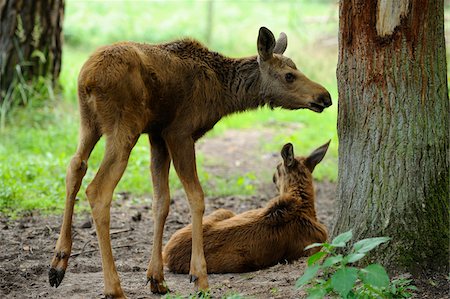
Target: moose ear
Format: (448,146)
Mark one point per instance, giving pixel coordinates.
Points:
(287,153)
(316,156)
(266,43)
(281,44)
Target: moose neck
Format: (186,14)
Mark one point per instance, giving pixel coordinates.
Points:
(242,81)
(305,196)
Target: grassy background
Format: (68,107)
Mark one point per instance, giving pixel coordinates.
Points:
(39,140)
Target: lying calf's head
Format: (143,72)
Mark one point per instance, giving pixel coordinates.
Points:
(297,170)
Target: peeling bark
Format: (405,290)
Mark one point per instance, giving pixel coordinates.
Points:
(389,14)
(27,30)
(393,125)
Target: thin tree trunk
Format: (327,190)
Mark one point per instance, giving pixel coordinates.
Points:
(393,128)
(31,38)
(209,21)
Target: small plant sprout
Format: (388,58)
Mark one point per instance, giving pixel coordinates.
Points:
(338,279)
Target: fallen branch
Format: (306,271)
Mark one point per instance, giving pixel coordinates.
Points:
(94,250)
(118,231)
(121,231)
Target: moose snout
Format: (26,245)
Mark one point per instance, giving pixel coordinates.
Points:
(324,99)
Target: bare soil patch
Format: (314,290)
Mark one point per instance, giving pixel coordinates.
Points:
(27,247)
(27,244)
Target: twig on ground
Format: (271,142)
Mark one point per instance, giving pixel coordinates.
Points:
(124,230)
(94,250)
(85,244)
(118,231)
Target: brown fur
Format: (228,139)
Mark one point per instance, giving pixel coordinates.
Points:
(174,92)
(263,237)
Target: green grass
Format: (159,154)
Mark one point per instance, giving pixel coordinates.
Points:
(89,24)
(39,139)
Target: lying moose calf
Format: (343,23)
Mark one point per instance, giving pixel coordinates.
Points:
(263,237)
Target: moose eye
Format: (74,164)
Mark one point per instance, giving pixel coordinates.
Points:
(289,77)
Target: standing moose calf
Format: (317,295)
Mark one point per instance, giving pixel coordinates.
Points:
(263,237)
(174,92)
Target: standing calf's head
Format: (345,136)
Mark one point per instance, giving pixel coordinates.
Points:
(282,84)
(296,172)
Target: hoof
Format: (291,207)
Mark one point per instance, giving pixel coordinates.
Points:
(200,282)
(158,287)
(55,276)
(58,268)
(192,278)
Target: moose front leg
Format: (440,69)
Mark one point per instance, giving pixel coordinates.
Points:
(160,164)
(183,156)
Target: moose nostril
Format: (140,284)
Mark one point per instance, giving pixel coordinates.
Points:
(325,99)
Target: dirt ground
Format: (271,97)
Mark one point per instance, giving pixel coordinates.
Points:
(27,244)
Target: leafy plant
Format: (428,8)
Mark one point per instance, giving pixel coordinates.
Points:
(338,279)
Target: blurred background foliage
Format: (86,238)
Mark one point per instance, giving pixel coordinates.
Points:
(38,140)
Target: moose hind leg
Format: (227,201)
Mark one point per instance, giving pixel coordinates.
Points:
(217,216)
(99,193)
(160,164)
(75,173)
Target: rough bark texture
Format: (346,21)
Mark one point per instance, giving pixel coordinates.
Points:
(393,128)
(27,30)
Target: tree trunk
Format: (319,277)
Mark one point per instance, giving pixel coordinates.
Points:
(393,128)
(30,40)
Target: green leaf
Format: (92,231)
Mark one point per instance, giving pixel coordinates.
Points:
(366,245)
(353,257)
(309,274)
(352,295)
(315,257)
(316,293)
(343,280)
(375,275)
(313,245)
(342,239)
(393,289)
(332,260)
